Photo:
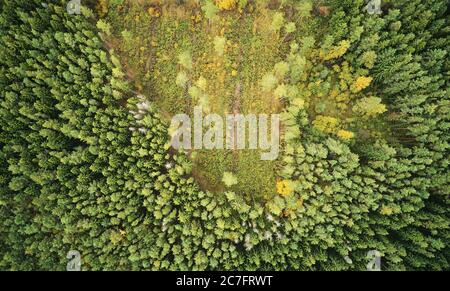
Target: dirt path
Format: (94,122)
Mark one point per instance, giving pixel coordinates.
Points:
(236,110)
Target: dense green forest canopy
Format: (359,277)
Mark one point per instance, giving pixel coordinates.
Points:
(86,163)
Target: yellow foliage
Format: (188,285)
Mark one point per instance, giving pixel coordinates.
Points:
(299,103)
(285,188)
(299,203)
(342,107)
(287,212)
(102,8)
(226,4)
(202,83)
(385,210)
(345,76)
(337,51)
(345,134)
(343,97)
(326,124)
(334,93)
(154,12)
(360,84)
(197,18)
(115,237)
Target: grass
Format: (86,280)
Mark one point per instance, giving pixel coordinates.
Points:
(151,46)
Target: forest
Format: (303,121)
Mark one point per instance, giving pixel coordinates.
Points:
(88,90)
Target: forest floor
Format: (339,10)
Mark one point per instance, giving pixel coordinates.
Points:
(151,43)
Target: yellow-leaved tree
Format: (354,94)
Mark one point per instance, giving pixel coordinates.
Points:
(345,134)
(360,84)
(226,4)
(285,188)
(326,124)
(337,51)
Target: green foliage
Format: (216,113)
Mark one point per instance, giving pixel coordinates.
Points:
(369,107)
(368,59)
(104,27)
(290,27)
(281,69)
(86,167)
(182,79)
(229,179)
(185,60)
(210,10)
(304,7)
(268,82)
(277,21)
